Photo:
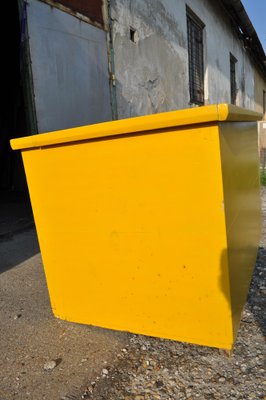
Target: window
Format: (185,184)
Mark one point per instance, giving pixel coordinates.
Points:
(264,102)
(195,58)
(233,62)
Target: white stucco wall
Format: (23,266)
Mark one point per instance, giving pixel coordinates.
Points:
(152,74)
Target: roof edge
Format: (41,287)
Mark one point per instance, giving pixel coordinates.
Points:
(246,31)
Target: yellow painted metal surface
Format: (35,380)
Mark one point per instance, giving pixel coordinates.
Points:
(138,221)
(239,156)
(219,112)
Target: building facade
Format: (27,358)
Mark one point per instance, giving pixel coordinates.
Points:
(185,53)
(95,61)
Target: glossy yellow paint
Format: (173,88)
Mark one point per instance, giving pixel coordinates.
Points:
(139,221)
(239,156)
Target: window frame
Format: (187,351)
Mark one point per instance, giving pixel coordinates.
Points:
(233,85)
(195,43)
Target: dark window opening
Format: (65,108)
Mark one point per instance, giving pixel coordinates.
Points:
(132,35)
(233,62)
(93,9)
(195,58)
(264,102)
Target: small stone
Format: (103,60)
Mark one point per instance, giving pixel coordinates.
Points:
(105,371)
(49,365)
(144,348)
(124,350)
(159,384)
(84,360)
(17,316)
(222,379)
(139,398)
(243,367)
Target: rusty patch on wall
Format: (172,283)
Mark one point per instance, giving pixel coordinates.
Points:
(92,10)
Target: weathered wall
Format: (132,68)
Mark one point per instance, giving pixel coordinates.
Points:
(69,69)
(152,73)
(260,85)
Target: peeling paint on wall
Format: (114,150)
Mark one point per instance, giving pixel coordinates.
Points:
(152,72)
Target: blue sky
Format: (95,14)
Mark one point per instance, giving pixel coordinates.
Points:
(256,10)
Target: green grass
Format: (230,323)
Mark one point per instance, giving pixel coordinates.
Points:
(263,177)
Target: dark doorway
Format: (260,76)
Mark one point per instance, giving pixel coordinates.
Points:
(14,200)
(12,110)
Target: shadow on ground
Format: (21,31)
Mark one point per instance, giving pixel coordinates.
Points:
(18,249)
(18,239)
(15,213)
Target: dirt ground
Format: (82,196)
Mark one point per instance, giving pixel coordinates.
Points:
(45,358)
(30,336)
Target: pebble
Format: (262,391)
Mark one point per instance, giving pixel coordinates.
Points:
(49,365)
(105,371)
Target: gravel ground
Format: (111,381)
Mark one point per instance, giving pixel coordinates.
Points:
(149,368)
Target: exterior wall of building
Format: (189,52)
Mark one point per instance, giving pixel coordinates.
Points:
(260,87)
(145,55)
(69,65)
(152,70)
